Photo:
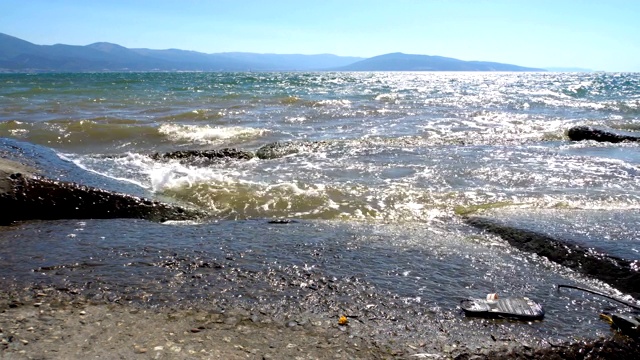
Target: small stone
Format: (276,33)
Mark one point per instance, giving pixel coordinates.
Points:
(195,330)
(139,349)
(231,320)
(38,304)
(158,348)
(83,312)
(24,341)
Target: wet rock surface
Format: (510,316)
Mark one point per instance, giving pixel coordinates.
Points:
(205,155)
(27,192)
(620,273)
(279,149)
(580,133)
(26,196)
(45,199)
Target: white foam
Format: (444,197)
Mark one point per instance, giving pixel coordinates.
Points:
(207,134)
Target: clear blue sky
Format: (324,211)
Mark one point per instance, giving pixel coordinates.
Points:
(595,34)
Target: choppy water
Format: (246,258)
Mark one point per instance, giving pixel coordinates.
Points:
(402,155)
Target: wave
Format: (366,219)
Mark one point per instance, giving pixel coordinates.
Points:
(194,115)
(90,134)
(208,135)
(230,198)
(337,181)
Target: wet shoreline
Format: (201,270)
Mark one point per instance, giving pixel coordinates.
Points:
(262,285)
(46,322)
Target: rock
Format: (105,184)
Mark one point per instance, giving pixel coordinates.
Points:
(205,155)
(616,271)
(280,149)
(30,197)
(579,133)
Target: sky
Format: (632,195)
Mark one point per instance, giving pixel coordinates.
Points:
(594,34)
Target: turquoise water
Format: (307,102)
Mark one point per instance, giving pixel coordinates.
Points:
(399,157)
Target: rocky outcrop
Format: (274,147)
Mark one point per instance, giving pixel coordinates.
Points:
(579,133)
(24,195)
(205,155)
(273,150)
(617,272)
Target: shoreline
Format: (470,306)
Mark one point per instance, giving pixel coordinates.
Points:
(47,323)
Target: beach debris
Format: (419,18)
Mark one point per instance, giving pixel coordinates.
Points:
(599,294)
(518,308)
(342,321)
(627,324)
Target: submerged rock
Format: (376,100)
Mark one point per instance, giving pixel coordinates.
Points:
(579,133)
(280,149)
(25,195)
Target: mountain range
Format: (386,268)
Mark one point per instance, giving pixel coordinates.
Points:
(17,55)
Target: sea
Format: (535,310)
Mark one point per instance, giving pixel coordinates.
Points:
(395,161)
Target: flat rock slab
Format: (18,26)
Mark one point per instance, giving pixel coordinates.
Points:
(27,195)
(600,244)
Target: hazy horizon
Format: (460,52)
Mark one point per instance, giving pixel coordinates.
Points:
(544,34)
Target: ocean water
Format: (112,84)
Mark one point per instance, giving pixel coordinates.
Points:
(396,159)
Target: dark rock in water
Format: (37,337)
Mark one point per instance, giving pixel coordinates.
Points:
(615,271)
(281,221)
(205,154)
(28,192)
(25,197)
(579,133)
(50,165)
(280,149)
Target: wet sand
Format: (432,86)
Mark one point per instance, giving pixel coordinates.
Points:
(75,329)
(45,323)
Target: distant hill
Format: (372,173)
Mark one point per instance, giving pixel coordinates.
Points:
(21,55)
(17,55)
(408,62)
